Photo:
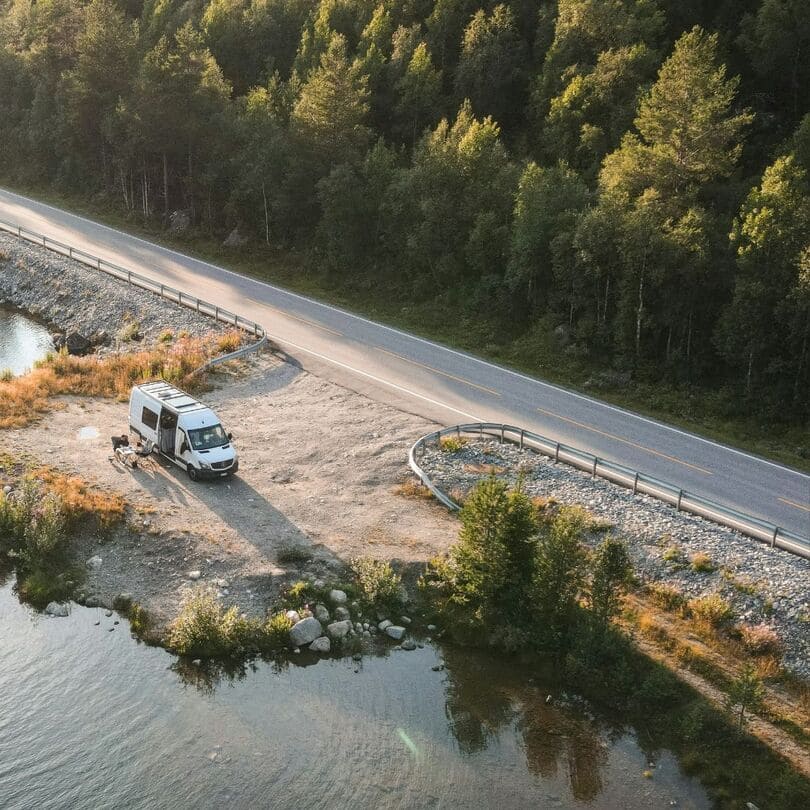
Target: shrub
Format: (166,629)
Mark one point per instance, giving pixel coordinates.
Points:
(760,640)
(293,555)
(301,592)
(712,610)
(452,444)
(673,554)
(203,628)
(277,632)
(667,597)
(702,563)
(229,342)
(746,694)
(6,375)
(45,536)
(378,582)
(166,336)
(129,331)
(413,488)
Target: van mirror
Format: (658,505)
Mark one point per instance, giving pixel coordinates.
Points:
(230,437)
(183,447)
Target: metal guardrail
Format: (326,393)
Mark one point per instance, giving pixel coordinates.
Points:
(143,282)
(639,483)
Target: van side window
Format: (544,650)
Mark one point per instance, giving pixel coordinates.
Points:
(149,418)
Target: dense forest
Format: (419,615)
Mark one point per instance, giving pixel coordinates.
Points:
(632,176)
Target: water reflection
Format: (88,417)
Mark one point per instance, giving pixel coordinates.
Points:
(386,732)
(22,341)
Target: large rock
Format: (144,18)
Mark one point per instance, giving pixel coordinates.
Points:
(305,631)
(57,609)
(179,221)
(321,613)
(235,239)
(384,624)
(341,613)
(339,629)
(77,345)
(395,632)
(337,597)
(321,645)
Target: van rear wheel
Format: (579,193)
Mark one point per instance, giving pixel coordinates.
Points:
(192,472)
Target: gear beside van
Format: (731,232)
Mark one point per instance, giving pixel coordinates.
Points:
(183,430)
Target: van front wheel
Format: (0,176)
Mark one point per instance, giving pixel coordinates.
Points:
(192,472)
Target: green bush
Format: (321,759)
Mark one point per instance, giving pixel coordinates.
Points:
(451,444)
(129,331)
(377,581)
(205,629)
(666,596)
(712,610)
(277,632)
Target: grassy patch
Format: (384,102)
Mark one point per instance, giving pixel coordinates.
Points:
(452,444)
(711,611)
(24,399)
(702,563)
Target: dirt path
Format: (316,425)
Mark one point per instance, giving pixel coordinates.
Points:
(318,464)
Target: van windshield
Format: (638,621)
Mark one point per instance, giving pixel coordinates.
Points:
(207,437)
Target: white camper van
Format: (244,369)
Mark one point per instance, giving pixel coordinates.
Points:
(184,430)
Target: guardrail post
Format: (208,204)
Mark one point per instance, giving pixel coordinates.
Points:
(680,498)
(557,453)
(595,462)
(635,485)
(162,292)
(70,252)
(502,434)
(773,539)
(98,264)
(521,438)
(216,313)
(458,431)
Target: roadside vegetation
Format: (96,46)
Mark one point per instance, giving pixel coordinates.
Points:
(616,201)
(26,398)
(522,579)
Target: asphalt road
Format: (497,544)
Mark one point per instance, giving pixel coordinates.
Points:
(442,384)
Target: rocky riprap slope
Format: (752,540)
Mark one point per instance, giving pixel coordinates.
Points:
(74,298)
(763,585)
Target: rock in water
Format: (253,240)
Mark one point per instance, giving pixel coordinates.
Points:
(384,624)
(337,597)
(321,645)
(339,629)
(56,609)
(305,631)
(395,632)
(408,644)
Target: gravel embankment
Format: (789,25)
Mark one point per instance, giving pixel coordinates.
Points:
(74,298)
(762,584)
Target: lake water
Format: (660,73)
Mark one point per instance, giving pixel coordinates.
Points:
(90,719)
(22,341)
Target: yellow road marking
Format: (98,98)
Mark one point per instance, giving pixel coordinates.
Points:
(797,505)
(626,441)
(437,371)
(296,317)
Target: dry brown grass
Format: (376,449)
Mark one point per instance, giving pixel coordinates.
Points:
(25,399)
(80,500)
(413,488)
(484,469)
(229,342)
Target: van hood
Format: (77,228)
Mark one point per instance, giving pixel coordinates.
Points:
(225,453)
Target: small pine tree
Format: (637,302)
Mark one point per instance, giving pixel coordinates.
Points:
(611,572)
(745,695)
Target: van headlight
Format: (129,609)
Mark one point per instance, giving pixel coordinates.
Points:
(205,466)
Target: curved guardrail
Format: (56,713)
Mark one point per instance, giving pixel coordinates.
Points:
(774,536)
(143,282)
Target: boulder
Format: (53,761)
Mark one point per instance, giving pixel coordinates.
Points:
(341,613)
(408,645)
(337,597)
(305,631)
(395,632)
(94,562)
(57,609)
(321,645)
(321,613)
(384,624)
(235,239)
(339,629)
(293,616)
(179,221)
(77,345)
